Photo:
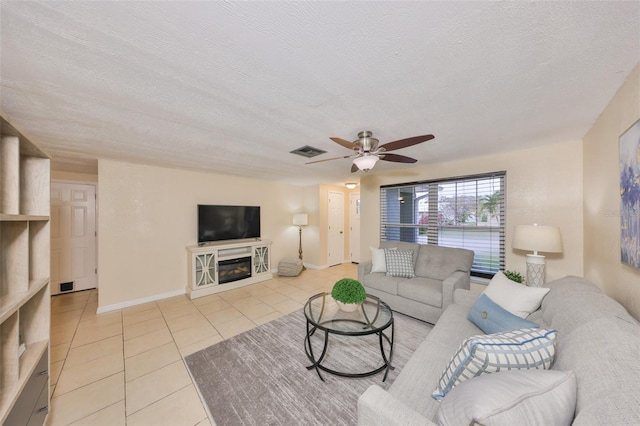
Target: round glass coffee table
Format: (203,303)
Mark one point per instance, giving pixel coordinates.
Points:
(372,317)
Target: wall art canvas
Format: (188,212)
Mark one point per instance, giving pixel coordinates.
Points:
(630,196)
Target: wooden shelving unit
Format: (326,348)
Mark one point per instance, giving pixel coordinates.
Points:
(24,279)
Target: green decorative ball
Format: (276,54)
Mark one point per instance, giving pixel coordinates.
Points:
(348,290)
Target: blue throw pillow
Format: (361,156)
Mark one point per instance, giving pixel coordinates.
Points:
(492,318)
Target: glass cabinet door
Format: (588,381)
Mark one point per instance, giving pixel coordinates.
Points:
(205,269)
(261,260)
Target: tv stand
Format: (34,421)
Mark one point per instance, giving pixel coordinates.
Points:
(205,260)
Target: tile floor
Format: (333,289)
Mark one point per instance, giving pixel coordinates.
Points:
(126,367)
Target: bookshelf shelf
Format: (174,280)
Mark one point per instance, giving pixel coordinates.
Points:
(24,278)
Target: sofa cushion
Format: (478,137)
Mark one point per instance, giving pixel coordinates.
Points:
(523,397)
(514,350)
(604,355)
(424,290)
(382,282)
(439,262)
(399,263)
(536,316)
(516,298)
(424,367)
(573,301)
(600,342)
(492,318)
(402,245)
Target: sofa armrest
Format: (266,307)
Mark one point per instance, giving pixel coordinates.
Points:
(378,407)
(453,282)
(465,297)
(363,269)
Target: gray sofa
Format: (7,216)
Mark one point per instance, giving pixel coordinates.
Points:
(439,272)
(597,339)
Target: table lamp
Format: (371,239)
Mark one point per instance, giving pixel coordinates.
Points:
(536,238)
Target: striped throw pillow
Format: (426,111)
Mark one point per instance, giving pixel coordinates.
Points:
(399,263)
(523,349)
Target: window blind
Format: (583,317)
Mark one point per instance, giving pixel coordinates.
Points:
(465,212)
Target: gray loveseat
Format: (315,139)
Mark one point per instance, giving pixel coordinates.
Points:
(439,272)
(597,339)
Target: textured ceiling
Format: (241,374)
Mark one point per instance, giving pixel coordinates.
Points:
(232,87)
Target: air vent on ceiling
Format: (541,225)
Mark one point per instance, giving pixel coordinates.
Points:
(308,151)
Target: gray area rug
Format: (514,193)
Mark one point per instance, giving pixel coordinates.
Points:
(259,377)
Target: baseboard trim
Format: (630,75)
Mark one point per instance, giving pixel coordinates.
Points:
(316,267)
(308,266)
(129,303)
(325,266)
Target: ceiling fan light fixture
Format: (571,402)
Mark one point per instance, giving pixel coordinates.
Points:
(366,162)
(367,152)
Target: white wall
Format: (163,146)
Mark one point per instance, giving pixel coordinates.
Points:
(602,198)
(148,216)
(73,177)
(544,186)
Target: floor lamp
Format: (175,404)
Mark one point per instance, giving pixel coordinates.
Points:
(536,238)
(300,220)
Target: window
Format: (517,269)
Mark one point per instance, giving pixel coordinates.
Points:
(465,212)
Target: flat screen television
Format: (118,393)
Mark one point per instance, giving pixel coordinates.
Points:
(222,223)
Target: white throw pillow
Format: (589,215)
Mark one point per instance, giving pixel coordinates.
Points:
(523,397)
(516,298)
(378,262)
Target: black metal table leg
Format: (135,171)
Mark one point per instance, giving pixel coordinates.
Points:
(387,361)
(315,363)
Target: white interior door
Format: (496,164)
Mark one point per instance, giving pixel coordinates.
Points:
(354,226)
(73,237)
(336,228)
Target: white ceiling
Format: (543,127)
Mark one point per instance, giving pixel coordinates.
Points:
(232,87)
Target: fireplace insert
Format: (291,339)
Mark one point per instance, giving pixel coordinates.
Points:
(234,269)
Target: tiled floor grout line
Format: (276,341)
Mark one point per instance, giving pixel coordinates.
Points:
(175,343)
(124,357)
(191,382)
(124,370)
(66,356)
(75,331)
(291,289)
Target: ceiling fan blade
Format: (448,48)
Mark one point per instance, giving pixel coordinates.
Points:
(354,168)
(345,143)
(403,143)
(329,159)
(397,158)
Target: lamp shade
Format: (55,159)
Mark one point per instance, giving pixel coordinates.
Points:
(537,238)
(366,162)
(300,219)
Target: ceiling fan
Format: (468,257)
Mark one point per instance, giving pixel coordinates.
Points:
(367,152)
